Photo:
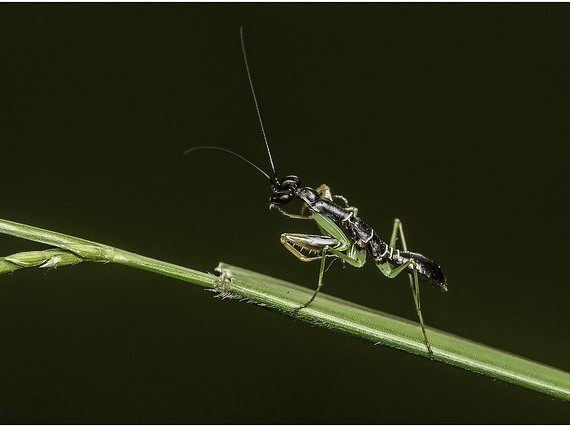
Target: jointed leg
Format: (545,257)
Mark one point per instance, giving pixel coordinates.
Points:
(325,191)
(416,294)
(414,282)
(342,199)
(355,258)
(290,215)
(346,204)
(309,247)
(319,283)
(387,270)
(397,228)
(333,243)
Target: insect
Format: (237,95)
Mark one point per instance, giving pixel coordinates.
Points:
(343,235)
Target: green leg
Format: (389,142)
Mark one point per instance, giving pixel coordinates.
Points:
(309,247)
(390,272)
(333,242)
(341,198)
(319,285)
(355,258)
(346,204)
(325,192)
(290,215)
(414,282)
(397,228)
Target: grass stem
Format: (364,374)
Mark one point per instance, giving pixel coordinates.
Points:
(326,311)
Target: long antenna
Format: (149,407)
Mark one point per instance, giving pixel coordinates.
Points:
(233,153)
(255,100)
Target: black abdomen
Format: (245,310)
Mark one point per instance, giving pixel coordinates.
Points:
(428,271)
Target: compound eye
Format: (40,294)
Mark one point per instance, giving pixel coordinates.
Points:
(290,180)
(281,197)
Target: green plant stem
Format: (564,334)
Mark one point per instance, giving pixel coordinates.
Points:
(97,252)
(326,311)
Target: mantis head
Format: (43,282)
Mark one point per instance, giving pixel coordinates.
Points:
(285,190)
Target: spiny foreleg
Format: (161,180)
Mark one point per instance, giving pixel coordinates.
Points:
(354,257)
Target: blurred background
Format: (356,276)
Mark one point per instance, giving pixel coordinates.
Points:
(453,118)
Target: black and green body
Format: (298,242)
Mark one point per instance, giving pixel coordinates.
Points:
(347,237)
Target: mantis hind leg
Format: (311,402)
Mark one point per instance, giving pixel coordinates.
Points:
(413,278)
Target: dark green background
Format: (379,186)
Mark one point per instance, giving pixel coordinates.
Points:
(453,118)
